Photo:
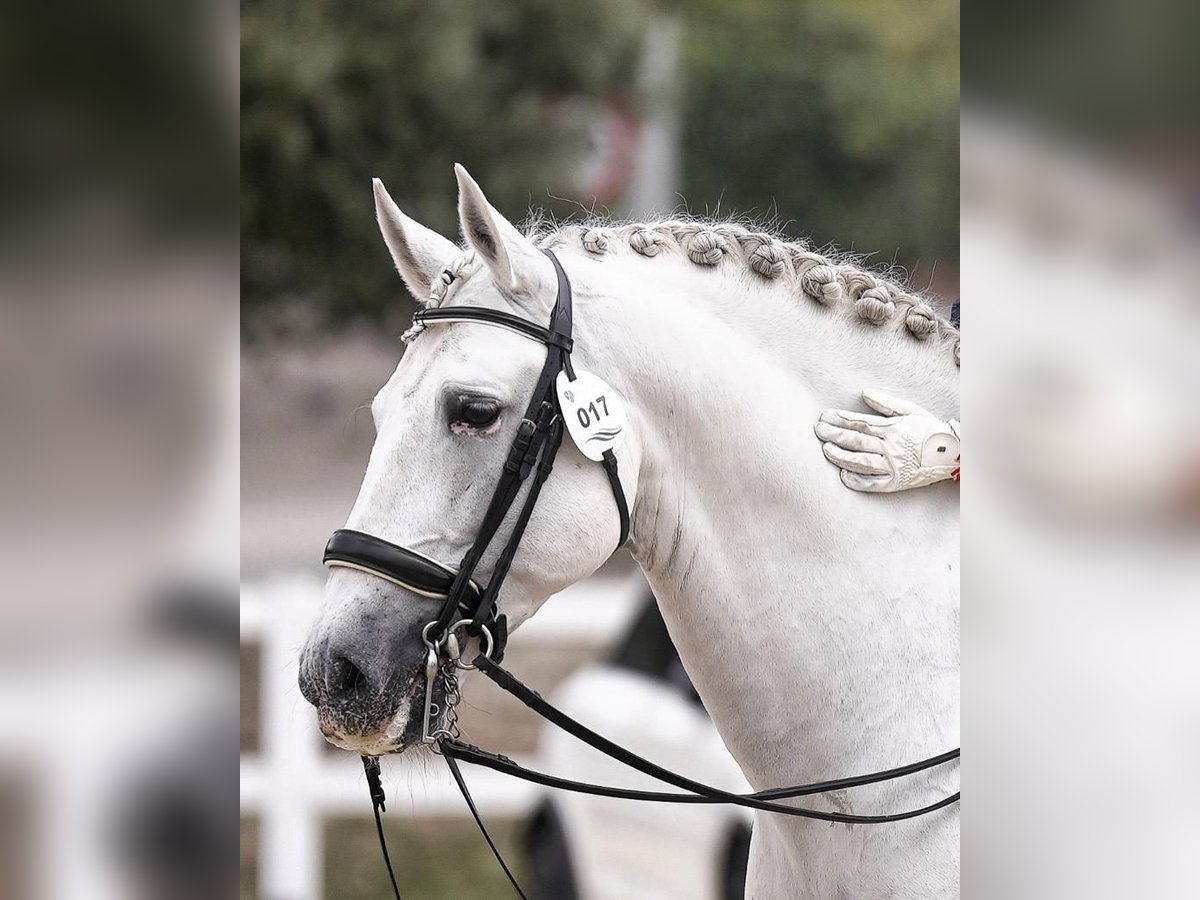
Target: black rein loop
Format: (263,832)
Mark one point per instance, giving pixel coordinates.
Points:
(703,792)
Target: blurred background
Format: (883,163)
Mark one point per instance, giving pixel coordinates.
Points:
(119,449)
(1081,506)
(119,397)
(831,121)
(836,120)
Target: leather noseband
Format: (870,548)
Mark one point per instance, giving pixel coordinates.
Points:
(409,569)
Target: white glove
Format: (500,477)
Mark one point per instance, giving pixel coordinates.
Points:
(906,447)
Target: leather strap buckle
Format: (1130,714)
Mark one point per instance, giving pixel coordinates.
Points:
(520,446)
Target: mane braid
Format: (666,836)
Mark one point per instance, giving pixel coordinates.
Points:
(874,298)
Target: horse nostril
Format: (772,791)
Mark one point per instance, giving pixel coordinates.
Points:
(345,679)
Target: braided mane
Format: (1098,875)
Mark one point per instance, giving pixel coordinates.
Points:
(874,299)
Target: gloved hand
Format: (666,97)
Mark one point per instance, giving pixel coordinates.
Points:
(906,447)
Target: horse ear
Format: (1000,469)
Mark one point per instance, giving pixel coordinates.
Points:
(517,266)
(420,254)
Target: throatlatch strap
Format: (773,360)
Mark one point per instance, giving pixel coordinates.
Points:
(462,786)
(614,478)
(562,321)
(557,717)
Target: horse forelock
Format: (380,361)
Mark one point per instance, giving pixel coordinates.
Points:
(458,270)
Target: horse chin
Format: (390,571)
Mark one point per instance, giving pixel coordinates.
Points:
(375,735)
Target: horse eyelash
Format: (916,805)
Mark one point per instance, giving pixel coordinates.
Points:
(459,425)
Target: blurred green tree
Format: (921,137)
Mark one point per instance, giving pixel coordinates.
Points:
(335,93)
(838,117)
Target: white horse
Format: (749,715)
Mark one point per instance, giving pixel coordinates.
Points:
(820,625)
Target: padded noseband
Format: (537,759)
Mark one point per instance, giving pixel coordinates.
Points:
(404,567)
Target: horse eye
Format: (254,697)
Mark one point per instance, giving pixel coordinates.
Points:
(475,412)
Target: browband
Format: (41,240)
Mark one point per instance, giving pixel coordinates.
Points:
(494,317)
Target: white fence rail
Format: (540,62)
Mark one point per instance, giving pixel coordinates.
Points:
(291,785)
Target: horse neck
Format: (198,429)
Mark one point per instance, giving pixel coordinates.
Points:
(814,621)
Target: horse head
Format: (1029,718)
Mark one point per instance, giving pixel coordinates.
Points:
(445,422)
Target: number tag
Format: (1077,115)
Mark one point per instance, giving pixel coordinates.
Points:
(593,411)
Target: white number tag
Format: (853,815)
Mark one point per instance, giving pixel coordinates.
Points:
(593,411)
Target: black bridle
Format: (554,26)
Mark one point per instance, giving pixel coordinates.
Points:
(471,608)
(532,453)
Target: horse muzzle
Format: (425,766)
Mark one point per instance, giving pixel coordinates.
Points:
(363,668)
